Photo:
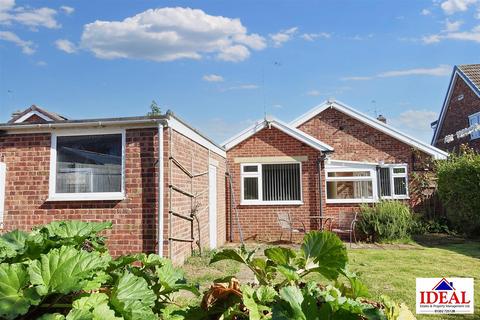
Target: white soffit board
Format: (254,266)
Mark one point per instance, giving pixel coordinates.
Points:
(374,123)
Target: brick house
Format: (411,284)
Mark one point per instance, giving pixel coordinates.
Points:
(461,110)
(159,181)
(323,164)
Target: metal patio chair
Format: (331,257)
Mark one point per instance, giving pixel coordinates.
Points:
(286,223)
(346,228)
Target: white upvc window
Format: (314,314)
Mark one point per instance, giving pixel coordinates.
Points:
(393,181)
(87,165)
(271,183)
(350,183)
(474,119)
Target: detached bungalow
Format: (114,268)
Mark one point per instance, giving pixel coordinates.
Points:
(323,164)
(159,181)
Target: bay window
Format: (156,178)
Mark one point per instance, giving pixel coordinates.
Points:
(271,183)
(87,167)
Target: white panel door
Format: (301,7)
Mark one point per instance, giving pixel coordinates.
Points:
(212,205)
(3,173)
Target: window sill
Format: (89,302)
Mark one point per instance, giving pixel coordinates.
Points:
(271,203)
(115,196)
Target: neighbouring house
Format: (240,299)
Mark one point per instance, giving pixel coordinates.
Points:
(323,164)
(159,181)
(460,110)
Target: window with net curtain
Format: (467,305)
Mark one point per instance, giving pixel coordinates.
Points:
(349,185)
(89,164)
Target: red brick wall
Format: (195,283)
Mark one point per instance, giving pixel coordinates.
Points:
(135,221)
(260,221)
(456,117)
(34,119)
(195,158)
(27,157)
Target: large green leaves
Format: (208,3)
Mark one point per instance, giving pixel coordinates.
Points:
(132,297)
(324,252)
(15,298)
(12,243)
(92,307)
(74,229)
(65,270)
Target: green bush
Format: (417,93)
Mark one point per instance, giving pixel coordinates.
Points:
(386,221)
(459,190)
(62,271)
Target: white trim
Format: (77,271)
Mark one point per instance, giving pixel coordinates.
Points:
(285,128)
(3,185)
(455,74)
(391,167)
(33,113)
(188,132)
(258,175)
(160,190)
(374,123)
(476,134)
(84,196)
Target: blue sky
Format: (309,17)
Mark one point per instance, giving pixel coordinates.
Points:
(220,65)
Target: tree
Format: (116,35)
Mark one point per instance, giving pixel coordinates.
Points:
(154,109)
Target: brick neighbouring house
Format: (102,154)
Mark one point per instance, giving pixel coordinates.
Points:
(460,110)
(275,168)
(112,169)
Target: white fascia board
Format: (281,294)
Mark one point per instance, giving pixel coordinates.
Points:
(285,128)
(456,73)
(374,123)
(188,132)
(33,113)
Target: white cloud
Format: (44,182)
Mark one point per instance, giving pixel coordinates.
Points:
(472,35)
(313,93)
(313,36)
(425,12)
(41,63)
(441,70)
(451,26)
(168,34)
(242,87)
(27,46)
(277,106)
(66,46)
(67,10)
(212,78)
(453,6)
(283,36)
(31,17)
(415,123)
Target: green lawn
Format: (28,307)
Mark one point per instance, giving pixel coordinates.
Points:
(389,270)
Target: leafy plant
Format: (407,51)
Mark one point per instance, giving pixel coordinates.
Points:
(386,221)
(458,188)
(63,271)
(283,290)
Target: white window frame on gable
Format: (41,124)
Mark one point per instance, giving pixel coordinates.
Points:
(258,174)
(350,166)
(392,175)
(472,120)
(84,196)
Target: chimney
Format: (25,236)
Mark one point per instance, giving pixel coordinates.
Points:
(382,118)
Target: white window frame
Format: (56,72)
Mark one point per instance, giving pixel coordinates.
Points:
(258,175)
(393,175)
(83,196)
(472,117)
(352,167)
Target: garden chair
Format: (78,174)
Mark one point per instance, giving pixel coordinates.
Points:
(286,223)
(346,228)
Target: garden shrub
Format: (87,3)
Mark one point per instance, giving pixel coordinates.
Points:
(63,271)
(459,190)
(386,221)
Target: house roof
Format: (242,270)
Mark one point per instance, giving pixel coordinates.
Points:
(470,74)
(285,128)
(374,123)
(35,110)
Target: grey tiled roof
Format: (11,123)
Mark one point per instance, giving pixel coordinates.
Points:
(472,71)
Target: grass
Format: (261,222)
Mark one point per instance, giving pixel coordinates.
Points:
(387,269)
